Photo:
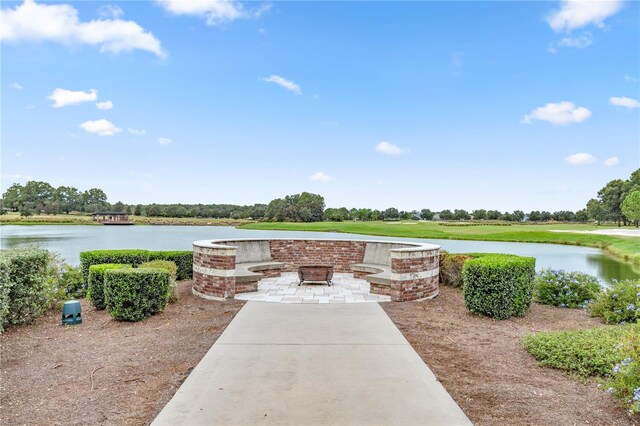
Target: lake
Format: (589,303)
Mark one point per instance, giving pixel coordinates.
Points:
(70,240)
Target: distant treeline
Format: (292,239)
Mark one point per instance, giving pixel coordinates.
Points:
(42,198)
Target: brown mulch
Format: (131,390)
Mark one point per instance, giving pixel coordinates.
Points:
(483,365)
(104,371)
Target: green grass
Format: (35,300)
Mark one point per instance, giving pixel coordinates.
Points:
(627,248)
(592,352)
(78,219)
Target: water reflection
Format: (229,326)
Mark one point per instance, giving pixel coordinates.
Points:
(610,269)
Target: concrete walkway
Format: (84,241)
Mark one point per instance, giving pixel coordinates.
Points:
(309,365)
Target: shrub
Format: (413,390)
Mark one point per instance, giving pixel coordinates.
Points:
(624,382)
(565,289)
(64,281)
(182,259)
(97,257)
(135,294)
(587,353)
(498,285)
(24,289)
(95,292)
(451,268)
(619,303)
(172,269)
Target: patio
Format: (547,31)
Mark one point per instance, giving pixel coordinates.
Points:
(284,289)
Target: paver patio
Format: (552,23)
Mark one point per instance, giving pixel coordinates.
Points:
(309,364)
(285,289)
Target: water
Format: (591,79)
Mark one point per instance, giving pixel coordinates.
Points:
(69,241)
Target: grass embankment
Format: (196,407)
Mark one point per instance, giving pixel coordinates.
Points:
(627,248)
(69,219)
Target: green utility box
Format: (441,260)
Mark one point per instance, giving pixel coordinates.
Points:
(71,313)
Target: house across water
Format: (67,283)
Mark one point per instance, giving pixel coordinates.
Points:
(112,218)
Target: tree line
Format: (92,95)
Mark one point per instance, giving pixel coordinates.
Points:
(618,201)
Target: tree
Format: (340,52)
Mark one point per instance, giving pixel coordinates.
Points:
(119,207)
(391,213)
(582,216)
(480,214)
(535,216)
(518,215)
(612,196)
(631,207)
(426,214)
(493,215)
(459,214)
(446,214)
(545,216)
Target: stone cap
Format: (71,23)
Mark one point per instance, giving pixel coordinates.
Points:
(411,246)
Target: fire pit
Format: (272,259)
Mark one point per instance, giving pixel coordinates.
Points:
(315,273)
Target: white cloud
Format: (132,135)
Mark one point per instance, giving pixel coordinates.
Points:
(581,42)
(164,141)
(60,23)
(100,127)
(16,86)
(625,102)
(580,158)
(283,82)
(104,105)
(389,148)
(137,132)
(214,11)
(580,13)
(63,97)
(627,77)
(110,11)
(610,162)
(320,177)
(558,113)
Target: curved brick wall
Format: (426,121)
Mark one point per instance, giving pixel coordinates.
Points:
(414,267)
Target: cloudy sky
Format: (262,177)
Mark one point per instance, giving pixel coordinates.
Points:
(506,105)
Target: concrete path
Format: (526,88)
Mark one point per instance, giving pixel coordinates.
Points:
(309,365)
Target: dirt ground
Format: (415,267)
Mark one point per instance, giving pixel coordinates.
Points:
(485,368)
(104,371)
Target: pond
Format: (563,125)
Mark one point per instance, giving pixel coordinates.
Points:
(70,240)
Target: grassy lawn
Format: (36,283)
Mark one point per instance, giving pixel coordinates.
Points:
(624,247)
(68,219)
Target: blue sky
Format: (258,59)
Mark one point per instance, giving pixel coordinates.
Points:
(495,105)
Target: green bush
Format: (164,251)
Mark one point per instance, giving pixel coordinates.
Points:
(24,289)
(498,285)
(451,268)
(97,257)
(565,289)
(624,382)
(182,259)
(95,292)
(592,352)
(64,281)
(135,294)
(619,303)
(172,269)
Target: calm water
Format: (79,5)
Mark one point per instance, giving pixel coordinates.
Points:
(69,241)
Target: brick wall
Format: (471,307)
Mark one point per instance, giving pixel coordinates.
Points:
(339,254)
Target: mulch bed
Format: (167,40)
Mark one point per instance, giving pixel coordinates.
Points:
(485,368)
(104,371)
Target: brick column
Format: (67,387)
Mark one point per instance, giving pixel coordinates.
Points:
(214,269)
(414,273)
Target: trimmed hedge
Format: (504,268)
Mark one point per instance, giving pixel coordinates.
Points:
(135,294)
(172,269)
(95,287)
(182,259)
(499,285)
(24,291)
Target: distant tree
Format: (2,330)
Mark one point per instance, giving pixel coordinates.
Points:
(479,214)
(459,214)
(493,215)
(391,213)
(518,215)
(426,214)
(446,215)
(545,216)
(535,216)
(631,207)
(582,216)
(508,217)
(138,210)
(612,195)
(119,207)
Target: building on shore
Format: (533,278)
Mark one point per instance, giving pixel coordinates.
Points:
(112,218)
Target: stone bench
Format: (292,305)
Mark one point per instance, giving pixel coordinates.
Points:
(402,270)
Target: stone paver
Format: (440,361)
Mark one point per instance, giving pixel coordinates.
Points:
(285,289)
(311,364)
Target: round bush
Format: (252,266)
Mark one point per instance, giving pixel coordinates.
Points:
(498,285)
(95,291)
(125,257)
(565,289)
(451,268)
(619,303)
(135,294)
